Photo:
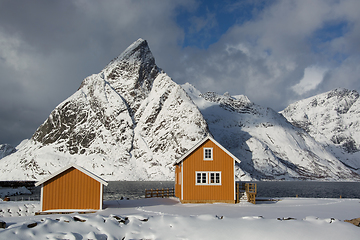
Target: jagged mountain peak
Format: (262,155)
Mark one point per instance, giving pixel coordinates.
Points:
(132,73)
(128,122)
(138,51)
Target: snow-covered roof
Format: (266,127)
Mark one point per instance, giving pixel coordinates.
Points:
(83,170)
(199,144)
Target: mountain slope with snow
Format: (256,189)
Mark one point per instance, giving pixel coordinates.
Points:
(129,122)
(268,145)
(6,149)
(333,120)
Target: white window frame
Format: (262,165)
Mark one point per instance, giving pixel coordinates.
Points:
(207,175)
(212,154)
(201,179)
(217,181)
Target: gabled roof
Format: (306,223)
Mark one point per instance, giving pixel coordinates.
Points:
(199,144)
(83,170)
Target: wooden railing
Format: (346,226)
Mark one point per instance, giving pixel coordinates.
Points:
(249,188)
(167,192)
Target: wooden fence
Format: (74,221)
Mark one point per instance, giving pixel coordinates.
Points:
(167,192)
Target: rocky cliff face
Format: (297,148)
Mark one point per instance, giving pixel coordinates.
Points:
(128,122)
(333,120)
(268,146)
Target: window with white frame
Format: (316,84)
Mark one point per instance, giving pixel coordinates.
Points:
(208,178)
(208,154)
(201,178)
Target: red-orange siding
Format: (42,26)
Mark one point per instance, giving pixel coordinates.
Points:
(177,181)
(208,193)
(71,189)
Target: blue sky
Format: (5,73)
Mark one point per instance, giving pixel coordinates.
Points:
(209,20)
(274,52)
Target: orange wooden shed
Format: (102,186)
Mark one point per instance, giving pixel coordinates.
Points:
(72,188)
(206,174)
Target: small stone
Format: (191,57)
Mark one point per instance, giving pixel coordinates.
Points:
(124,220)
(76,219)
(285,219)
(31,225)
(2,224)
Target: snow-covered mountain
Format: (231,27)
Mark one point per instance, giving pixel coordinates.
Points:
(6,149)
(333,120)
(128,122)
(131,121)
(268,146)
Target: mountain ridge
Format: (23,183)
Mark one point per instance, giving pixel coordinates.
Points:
(332,118)
(257,136)
(131,121)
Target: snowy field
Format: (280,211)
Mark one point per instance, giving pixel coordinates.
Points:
(290,218)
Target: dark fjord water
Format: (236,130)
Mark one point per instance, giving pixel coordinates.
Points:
(308,189)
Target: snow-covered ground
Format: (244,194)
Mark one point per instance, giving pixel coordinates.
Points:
(290,218)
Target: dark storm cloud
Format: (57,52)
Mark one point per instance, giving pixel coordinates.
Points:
(49,47)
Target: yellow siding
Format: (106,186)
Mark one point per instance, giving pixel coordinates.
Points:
(71,189)
(208,193)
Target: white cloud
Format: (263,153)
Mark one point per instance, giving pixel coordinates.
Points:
(313,76)
(265,57)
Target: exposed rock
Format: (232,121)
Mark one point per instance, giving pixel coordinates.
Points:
(2,224)
(77,219)
(124,220)
(32,225)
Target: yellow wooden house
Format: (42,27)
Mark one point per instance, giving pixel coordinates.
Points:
(206,174)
